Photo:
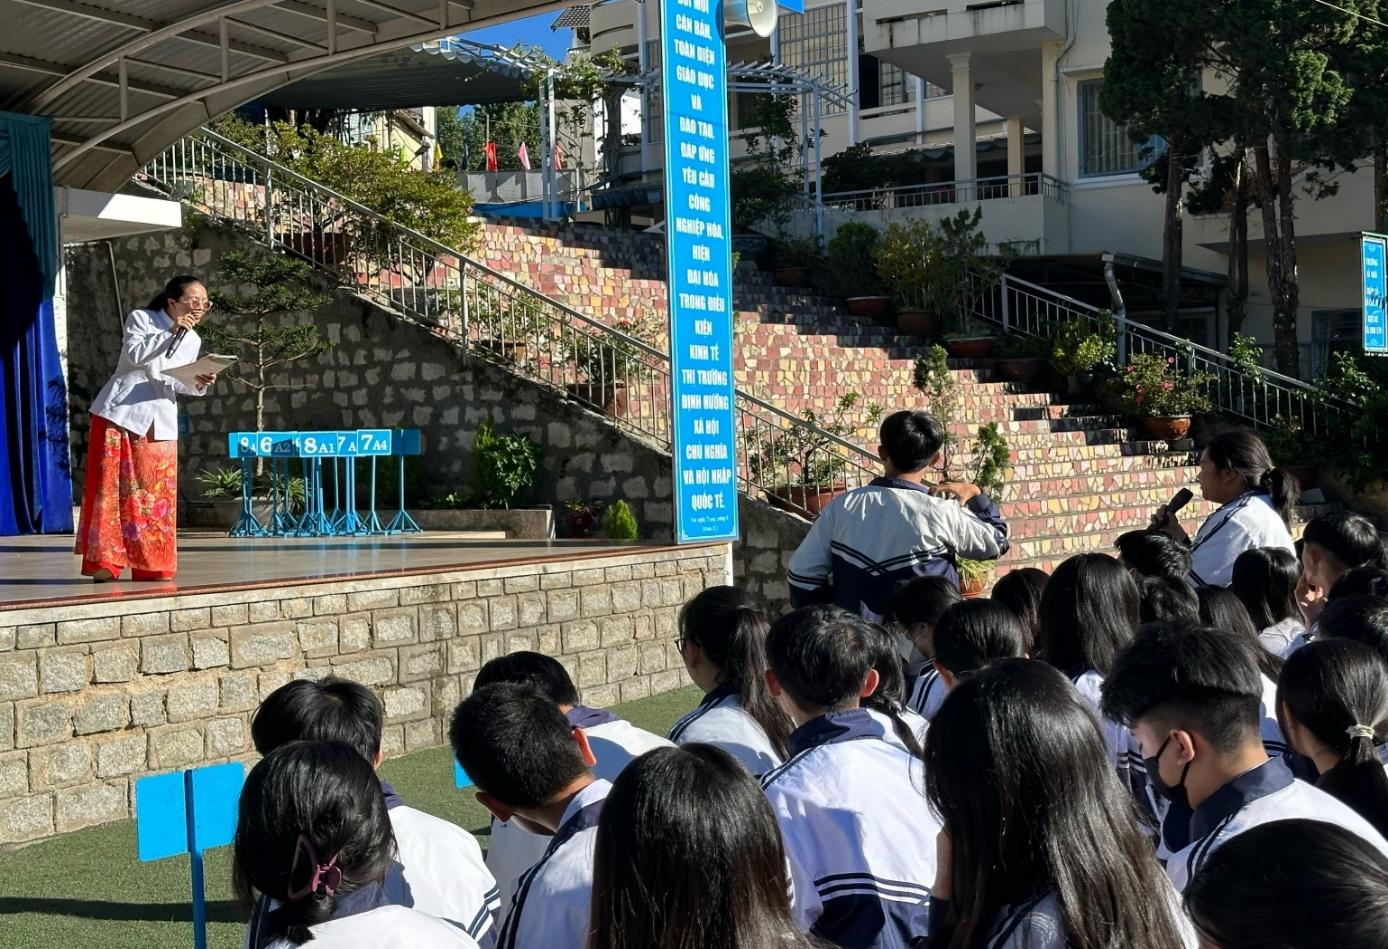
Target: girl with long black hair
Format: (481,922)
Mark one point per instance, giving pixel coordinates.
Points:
(723,642)
(1333,704)
(689,856)
(1265,579)
(1041,847)
(313,851)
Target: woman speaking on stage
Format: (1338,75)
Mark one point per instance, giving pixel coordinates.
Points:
(131,492)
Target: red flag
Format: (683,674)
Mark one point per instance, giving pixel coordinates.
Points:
(558,156)
(491,156)
(524,156)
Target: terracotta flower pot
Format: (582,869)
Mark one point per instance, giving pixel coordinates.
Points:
(505,350)
(1168,428)
(610,397)
(1023,369)
(807,499)
(1308,476)
(915,322)
(973,587)
(872,308)
(977,347)
(793,276)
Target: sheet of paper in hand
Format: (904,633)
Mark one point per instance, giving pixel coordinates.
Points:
(206,366)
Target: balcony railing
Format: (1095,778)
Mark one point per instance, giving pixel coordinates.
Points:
(950,192)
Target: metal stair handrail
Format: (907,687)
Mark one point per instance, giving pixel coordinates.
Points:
(1263,397)
(491,315)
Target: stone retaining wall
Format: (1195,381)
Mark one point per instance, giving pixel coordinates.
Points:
(96,695)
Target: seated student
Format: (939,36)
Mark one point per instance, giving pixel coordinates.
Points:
(1265,580)
(668,877)
(1025,862)
(858,834)
(972,634)
(874,538)
(1020,591)
(1333,544)
(1333,702)
(723,642)
(1153,554)
(513,848)
(1163,598)
(444,873)
(312,852)
(1089,612)
(531,766)
(1191,693)
(887,703)
(1292,884)
(1221,608)
(1361,618)
(915,608)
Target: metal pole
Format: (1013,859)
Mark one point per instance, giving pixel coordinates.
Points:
(549,156)
(642,65)
(1120,311)
(851,16)
(818,163)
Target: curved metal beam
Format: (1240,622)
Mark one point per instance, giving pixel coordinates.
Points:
(207,15)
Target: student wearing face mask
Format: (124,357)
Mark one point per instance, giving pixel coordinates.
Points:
(1191,695)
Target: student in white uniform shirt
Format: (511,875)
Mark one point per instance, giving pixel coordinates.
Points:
(1220,608)
(887,703)
(970,635)
(313,854)
(668,877)
(1333,544)
(513,849)
(1265,580)
(444,874)
(1255,502)
(1333,702)
(1026,862)
(723,642)
(1291,884)
(531,767)
(1089,612)
(1191,695)
(914,609)
(858,834)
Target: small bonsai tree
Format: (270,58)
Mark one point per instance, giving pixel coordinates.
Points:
(619,523)
(932,378)
(257,322)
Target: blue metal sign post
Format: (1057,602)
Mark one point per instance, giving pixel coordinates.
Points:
(698,246)
(1373,255)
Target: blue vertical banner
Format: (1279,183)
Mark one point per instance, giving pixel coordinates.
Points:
(1373,256)
(698,247)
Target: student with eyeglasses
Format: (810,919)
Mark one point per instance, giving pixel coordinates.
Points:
(131,493)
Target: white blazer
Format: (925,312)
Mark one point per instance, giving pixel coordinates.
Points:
(138,395)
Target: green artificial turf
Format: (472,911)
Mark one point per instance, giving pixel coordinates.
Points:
(88,889)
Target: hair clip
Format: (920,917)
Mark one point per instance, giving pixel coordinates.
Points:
(327,875)
(1360,731)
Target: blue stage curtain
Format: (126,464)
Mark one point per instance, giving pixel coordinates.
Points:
(36,490)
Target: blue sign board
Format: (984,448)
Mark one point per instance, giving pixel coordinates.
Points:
(1374,260)
(698,246)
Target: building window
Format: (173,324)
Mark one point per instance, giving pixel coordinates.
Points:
(1105,146)
(813,42)
(898,86)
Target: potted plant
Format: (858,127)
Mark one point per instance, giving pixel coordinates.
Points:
(618,523)
(796,260)
(583,517)
(1161,395)
(904,257)
(608,364)
(931,376)
(221,490)
(807,456)
(508,329)
(1292,449)
(969,341)
(991,458)
(1079,346)
(853,261)
(1020,358)
(974,576)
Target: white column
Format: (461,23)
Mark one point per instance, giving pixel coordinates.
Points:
(965,129)
(1016,156)
(920,110)
(851,48)
(1051,125)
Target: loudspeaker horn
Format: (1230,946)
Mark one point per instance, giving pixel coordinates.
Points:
(759,15)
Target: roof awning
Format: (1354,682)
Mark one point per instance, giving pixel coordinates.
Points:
(1139,278)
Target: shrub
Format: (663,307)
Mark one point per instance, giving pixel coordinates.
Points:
(503,467)
(1078,347)
(619,523)
(1154,385)
(853,259)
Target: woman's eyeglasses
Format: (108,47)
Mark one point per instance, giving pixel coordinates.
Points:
(196,304)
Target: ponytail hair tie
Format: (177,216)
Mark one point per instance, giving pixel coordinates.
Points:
(327,876)
(1265,480)
(1360,731)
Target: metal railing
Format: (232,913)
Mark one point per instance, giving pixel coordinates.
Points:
(950,192)
(488,314)
(1260,396)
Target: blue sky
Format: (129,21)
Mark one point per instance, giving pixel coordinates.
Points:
(533,31)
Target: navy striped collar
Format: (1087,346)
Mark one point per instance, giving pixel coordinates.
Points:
(581,716)
(393,798)
(717,694)
(901,483)
(266,924)
(582,813)
(1268,778)
(832,727)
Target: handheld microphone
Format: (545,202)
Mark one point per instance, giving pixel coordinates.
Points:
(178,338)
(1179,500)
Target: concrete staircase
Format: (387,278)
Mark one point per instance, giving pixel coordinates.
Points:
(1079,477)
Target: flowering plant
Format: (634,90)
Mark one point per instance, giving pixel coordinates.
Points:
(1154,385)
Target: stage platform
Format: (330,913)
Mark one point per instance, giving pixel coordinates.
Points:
(43,572)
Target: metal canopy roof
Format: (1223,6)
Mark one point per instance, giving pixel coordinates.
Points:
(122,79)
(574,18)
(441,73)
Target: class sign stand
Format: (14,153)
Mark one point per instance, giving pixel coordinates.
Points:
(1373,257)
(698,246)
